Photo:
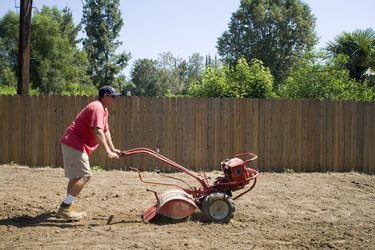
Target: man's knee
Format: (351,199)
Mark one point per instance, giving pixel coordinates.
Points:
(86,178)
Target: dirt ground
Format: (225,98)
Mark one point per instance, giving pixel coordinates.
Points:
(283,211)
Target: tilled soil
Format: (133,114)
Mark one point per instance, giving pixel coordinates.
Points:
(283,211)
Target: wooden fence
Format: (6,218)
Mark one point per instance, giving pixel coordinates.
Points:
(303,135)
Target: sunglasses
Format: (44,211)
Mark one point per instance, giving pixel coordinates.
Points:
(113,97)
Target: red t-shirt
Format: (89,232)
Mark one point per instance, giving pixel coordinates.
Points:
(80,134)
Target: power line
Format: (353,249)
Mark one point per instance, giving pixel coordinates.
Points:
(16,7)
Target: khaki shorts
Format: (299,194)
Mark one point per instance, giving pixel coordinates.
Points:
(76,163)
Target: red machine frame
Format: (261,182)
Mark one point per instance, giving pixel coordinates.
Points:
(236,177)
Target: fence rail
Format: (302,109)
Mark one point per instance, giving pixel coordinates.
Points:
(303,135)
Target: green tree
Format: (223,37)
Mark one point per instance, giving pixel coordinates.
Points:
(241,81)
(9,26)
(57,65)
(195,67)
(56,61)
(103,23)
(145,79)
(275,32)
(173,73)
(321,79)
(359,46)
(67,27)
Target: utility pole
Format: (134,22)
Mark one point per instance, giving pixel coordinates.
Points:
(24,47)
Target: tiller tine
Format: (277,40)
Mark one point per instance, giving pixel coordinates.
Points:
(150,213)
(174,203)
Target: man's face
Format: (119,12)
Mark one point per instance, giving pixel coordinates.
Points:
(108,100)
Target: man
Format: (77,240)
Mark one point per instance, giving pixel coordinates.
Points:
(88,130)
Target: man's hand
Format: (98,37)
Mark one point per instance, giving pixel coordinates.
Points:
(112,155)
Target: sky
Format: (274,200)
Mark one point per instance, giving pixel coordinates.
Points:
(182,27)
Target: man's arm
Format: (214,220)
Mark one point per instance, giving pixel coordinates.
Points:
(110,143)
(105,144)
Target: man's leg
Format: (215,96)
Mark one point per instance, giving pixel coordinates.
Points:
(76,163)
(76,185)
(67,209)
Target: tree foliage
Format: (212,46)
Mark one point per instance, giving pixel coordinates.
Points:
(9,26)
(55,60)
(359,46)
(318,79)
(275,32)
(166,76)
(145,80)
(241,81)
(103,23)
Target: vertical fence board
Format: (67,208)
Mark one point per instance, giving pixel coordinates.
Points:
(360,136)
(329,139)
(135,131)
(5,134)
(33,145)
(262,135)
(172,129)
(256,132)
(238,125)
(126,121)
(22,132)
(41,111)
(210,135)
(46,107)
(15,104)
(248,126)
(3,127)
(278,126)
(179,132)
(316,137)
(348,141)
(286,129)
(341,131)
(335,136)
(217,141)
(198,134)
(305,135)
(372,136)
(368,142)
(115,129)
(122,121)
(204,134)
(299,135)
(28,141)
(274,136)
(322,144)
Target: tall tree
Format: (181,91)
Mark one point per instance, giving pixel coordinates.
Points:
(103,23)
(276,32)
(145,78)
(9,26)
(195,67)
(68,28)
(359,46)
(50,41)
(52,38)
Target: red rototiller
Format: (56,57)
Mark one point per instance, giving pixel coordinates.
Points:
(215,201)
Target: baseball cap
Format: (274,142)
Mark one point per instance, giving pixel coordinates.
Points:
(108,90)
